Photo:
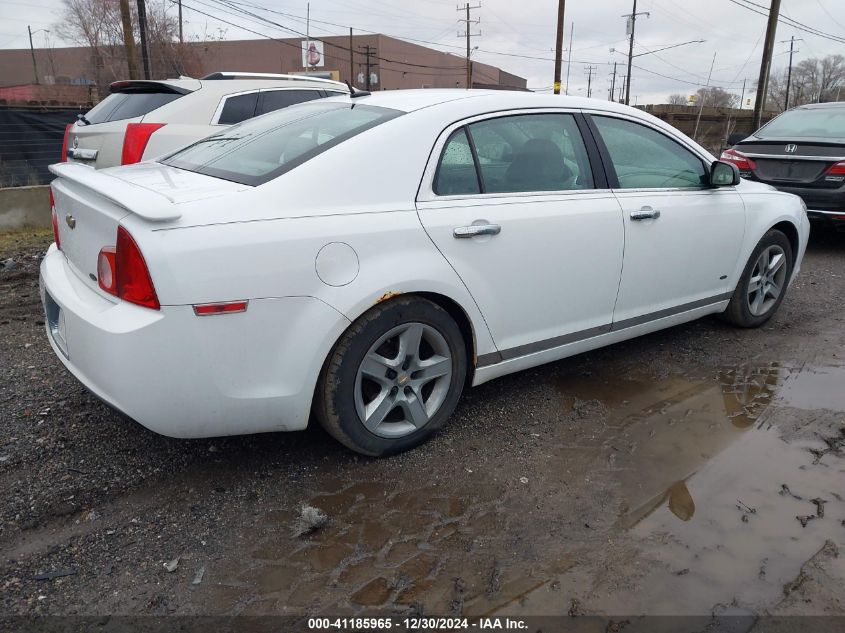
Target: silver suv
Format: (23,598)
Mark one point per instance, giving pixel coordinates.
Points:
(141,120)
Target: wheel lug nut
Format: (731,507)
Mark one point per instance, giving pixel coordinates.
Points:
(391,374)
(394,391)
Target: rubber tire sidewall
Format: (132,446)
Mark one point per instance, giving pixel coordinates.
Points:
(738,311)
(335,402)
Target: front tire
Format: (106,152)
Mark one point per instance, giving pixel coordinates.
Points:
(763,283)
(393,378)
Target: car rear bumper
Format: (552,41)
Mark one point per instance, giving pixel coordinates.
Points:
(186,376)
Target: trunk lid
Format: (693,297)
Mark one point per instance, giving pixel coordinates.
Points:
(793,162)
(90,204)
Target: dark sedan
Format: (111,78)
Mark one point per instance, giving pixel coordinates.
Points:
(802,151)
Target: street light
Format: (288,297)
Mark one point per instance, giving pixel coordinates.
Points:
(32,50)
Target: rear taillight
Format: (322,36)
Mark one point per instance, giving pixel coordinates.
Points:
(135,141)
(106,270)
(837,169)
(64,142)
(739,159)
(122,272)
(54,218)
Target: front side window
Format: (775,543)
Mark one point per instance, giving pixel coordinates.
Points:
(646,159)
(261,149)
(531,152)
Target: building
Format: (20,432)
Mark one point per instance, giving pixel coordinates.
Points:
(378,61)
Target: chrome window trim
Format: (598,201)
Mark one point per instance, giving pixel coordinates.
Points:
(792,156)
(426,192)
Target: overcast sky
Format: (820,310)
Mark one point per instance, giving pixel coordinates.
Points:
(514,32)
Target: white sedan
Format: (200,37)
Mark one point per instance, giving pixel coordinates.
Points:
(361,260)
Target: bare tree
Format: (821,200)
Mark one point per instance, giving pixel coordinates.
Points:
(677,99)
(98,24)
(716,97)
(813,80)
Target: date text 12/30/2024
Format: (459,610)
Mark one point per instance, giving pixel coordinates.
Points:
(415,624)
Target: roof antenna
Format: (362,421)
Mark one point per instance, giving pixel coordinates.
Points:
(354,92)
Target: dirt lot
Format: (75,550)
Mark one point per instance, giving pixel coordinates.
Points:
(698,470)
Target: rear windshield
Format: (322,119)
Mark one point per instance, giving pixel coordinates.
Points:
(128,105)
(263,148)
(811,123)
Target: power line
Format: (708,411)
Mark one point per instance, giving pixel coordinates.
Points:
(763,10)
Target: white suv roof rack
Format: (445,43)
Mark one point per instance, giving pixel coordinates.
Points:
(239,75)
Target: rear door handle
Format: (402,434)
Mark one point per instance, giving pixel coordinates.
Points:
(645,213)
(473,230)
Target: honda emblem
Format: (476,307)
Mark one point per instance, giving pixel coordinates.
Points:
(791,148)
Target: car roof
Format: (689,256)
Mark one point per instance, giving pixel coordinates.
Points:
(417,99)
(821,106)
(239,83)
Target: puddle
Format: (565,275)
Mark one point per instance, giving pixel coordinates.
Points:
(691,493)
(815,388)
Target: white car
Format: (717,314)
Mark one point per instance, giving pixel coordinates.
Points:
(363,259)
(141,120)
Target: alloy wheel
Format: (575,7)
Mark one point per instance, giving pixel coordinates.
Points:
(403,380)
(768,277)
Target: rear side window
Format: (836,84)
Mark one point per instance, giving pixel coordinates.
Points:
(531,152)
(238,108)
(261,149)
(516,154)
(128,105)
(456,173)
(271,100)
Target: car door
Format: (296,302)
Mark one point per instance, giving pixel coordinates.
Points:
(682,237)
(520,213)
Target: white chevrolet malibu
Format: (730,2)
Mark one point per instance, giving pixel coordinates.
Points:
(362,260)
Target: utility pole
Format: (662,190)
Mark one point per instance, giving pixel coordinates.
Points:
(561,7)
(590,70)
(766,64)
(742,98)
(789,71)
(307,35)
(703,98)
(632,22)
(569,57)
(613,82)
(369,52)
(142,27)
(622,88)
(351,60)
(129,39)
(468,35)
(32,51)
(181,40)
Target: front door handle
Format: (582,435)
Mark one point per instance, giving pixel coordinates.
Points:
(645,213)
(474,230)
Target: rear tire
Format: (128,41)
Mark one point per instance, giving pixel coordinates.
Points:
(393,378)
(763,283)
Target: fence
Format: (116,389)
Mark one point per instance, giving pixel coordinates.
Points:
(715,126)
(30,140)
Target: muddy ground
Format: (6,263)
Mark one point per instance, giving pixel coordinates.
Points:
(698,470)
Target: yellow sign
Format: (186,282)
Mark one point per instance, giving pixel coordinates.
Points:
(557,86)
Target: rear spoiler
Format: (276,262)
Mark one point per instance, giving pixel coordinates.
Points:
(146,86)
(146,203)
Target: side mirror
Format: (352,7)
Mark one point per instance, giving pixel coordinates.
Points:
(723,174)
